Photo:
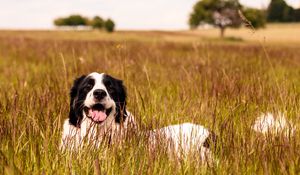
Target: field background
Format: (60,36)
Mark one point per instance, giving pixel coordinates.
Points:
(171,77)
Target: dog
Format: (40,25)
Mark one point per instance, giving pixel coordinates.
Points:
(98,113)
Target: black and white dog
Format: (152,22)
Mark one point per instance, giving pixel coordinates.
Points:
(98,111)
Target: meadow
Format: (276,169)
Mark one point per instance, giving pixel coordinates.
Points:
(171,77)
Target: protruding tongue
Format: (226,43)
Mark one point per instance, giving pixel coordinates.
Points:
(97,116)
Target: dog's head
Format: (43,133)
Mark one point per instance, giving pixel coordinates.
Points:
(98,97)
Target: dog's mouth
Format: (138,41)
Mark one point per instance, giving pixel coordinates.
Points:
(98,113)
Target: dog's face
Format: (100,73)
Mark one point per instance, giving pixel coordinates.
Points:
(97,96)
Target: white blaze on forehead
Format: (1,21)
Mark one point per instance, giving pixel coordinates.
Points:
(98,80)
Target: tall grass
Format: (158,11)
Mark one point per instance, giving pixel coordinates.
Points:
(222,86)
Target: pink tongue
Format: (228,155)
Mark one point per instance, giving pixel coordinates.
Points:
(97,116)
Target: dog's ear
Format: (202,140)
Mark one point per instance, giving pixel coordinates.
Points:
(74,119)
(211,140)
(117,91)
(121,102)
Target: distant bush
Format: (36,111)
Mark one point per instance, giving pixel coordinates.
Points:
(77,20)
(297,15)
(256,17)
(72,20)
(280,11)
(97,22)
(109,25)
(59,22)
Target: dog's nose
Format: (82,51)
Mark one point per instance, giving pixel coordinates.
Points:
(99,94)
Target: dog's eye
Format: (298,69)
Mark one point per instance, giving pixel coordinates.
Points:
(89,86)
(109,85)
(110,89)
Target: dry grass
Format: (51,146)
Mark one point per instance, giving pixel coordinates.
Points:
(288,34)
(274,34)
(222,85)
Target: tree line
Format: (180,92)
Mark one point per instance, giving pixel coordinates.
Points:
(77,20)
(230,13)
(280,11)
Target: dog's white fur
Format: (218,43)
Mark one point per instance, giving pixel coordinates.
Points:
(179,140)
(91,133)
(271,124)
(183,139)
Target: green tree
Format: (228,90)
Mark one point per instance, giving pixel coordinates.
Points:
(109,25)
(72,20)
(97,22)
(279,11)
(59,22)
(256,17)
(296,15)
(221,13)
(76,20)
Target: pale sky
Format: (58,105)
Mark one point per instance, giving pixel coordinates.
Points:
(128,14)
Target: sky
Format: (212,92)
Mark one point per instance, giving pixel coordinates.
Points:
(127,14)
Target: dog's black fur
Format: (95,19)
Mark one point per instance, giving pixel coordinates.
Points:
(83,85)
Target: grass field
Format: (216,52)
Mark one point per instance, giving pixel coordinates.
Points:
(171,77)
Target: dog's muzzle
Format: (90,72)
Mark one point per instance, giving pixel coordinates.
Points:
(98,113)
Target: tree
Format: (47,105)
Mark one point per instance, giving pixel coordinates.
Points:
(221,13)
(297,15)
(279,11)
(72,20)
(59,22)
(225,13)
(77,20)
(109,25)
(256,17)
(97,22)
